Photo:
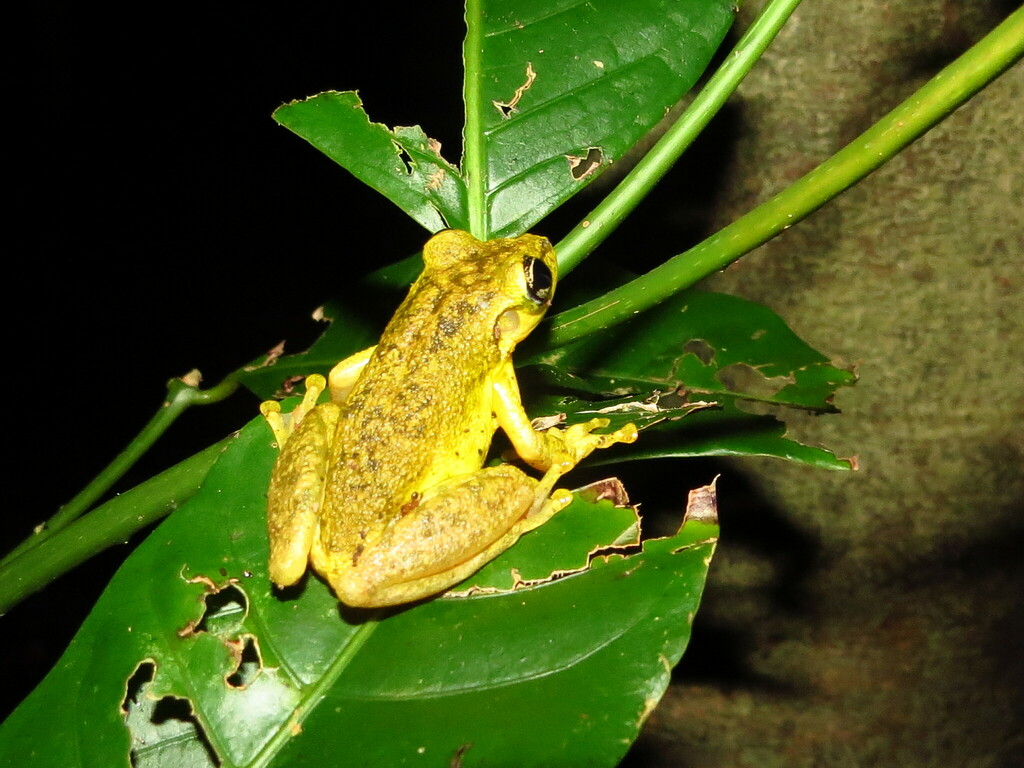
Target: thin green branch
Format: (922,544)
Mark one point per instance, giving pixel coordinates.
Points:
(110,523)
(182,394)
(474,153)
(953,86)
(607,216)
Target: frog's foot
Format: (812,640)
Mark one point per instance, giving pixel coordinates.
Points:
(282,427)
(571,446)
(546,503)
(579,441)
(296,492)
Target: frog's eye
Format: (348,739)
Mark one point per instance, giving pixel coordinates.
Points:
(538,280)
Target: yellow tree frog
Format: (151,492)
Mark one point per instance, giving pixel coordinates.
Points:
(383,488)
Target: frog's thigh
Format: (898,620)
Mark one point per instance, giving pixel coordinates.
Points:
(451,533)
(296,493)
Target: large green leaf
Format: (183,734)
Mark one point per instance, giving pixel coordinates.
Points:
(712,344)
(701,374)
(555,91)
(207,661)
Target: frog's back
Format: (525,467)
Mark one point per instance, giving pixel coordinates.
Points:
(421,410)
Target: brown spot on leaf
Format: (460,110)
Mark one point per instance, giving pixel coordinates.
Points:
(748,380)
(435,180)
(288,385)
(269,358)
(609,488)
(456,761)
(543,423)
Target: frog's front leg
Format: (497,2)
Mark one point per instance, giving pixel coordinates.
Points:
(344,375)
(438,539)
(296,491)
(554,451)
(296,487)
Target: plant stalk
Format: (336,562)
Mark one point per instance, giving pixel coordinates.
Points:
(110,523)
(607,216)
(182,394)
(944,93)
(474,155)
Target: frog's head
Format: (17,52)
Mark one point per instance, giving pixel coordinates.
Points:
(513,279)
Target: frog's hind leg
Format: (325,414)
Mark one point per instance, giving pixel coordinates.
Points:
(441,539)
(296,493)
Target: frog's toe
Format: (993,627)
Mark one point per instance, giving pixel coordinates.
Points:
(627,434)
(271,410)
(545,507)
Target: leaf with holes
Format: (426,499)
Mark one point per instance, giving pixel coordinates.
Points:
(554,91)
(728,359)
(189,658)
(402,164)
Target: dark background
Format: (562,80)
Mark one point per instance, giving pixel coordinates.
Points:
(166,223)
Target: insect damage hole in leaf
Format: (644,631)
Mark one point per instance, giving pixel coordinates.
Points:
(163,731)
(249,661)
(701,350)
(405,157)
(582,166)
(225,610)
(745,378)
(224,613)
(506,108)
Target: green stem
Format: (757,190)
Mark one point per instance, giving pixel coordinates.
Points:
(949,89)
(110,523)
(474,155)
(181,395)
(607,216)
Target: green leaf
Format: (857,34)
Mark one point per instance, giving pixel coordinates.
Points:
(554,93)
(701,375)
(711,344)
(348,331)
(212,666)
(597,520)
(726,431)
(404,165)
(697,349)
(672,426)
